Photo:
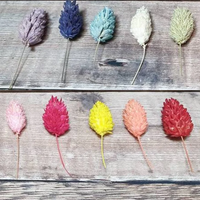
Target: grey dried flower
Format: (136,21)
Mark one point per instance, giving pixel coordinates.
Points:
(32,28)
(31,31)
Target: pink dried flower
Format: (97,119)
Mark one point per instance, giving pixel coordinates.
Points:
(56,121)
(16,117)
(17,121)
(135,121)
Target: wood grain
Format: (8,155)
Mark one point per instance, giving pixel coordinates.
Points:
(98,191)
(117,60)
(81,146)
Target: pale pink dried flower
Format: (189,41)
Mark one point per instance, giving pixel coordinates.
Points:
(17,121)
(16,117)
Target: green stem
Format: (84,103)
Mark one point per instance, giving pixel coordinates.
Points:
(17,71)
(97,46)
(181,64)
(64,71)
(143,56)
(104,164)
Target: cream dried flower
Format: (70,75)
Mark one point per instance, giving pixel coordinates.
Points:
(181,27)
(141,29)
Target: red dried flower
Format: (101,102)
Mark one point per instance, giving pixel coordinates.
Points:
(56,121)
(175,118)
(176,121)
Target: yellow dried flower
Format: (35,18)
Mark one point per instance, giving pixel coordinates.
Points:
(100,120)
(181,28)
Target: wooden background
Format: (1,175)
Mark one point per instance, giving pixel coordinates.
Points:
(127,175)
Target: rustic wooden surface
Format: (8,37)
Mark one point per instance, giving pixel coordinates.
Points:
(43,63)
(80,147)
(127,176)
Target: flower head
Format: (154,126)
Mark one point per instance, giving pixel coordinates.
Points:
(135,119)
(175,119)
(55,117)
(16,117)
(32,28)
(70,20)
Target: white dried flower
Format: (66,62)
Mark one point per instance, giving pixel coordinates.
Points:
(141,29)
(141,25)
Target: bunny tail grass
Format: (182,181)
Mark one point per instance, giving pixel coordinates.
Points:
(144,52)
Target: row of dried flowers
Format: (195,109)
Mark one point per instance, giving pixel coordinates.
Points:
(176,122)
(102,29)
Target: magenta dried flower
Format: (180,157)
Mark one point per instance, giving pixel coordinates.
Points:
(31,32)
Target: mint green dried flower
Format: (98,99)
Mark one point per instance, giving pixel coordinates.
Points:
(181,27)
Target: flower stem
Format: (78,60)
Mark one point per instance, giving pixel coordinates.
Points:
(96,49)
(187,155)
(64,72)
(143,56)
(180,57)
(61,159)
(18,151)
(104,164)
(17,71)
(147,161)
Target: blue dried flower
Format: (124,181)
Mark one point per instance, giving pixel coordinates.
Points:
(102,27)
(70,20)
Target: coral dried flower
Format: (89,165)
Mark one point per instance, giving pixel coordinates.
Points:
(56,121)
(135,121)
(177,122)
(16,121)
(100,120)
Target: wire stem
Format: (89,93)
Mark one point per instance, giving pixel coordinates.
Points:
(64,72)
(104,164)
(147,161)
(187,155)
(61,159)
(18,152)
(181,64)
(17,71)
(143,56)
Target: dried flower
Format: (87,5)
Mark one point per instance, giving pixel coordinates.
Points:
(32,28)
(56,121)
(176,122)
(135,121)
(102,27)
(141,29)
(31,32)
(100,120)
(16,121)
(70,26)
(181,27)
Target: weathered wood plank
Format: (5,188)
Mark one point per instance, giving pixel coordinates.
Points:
(102,190)
(81,146)
(43,64)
